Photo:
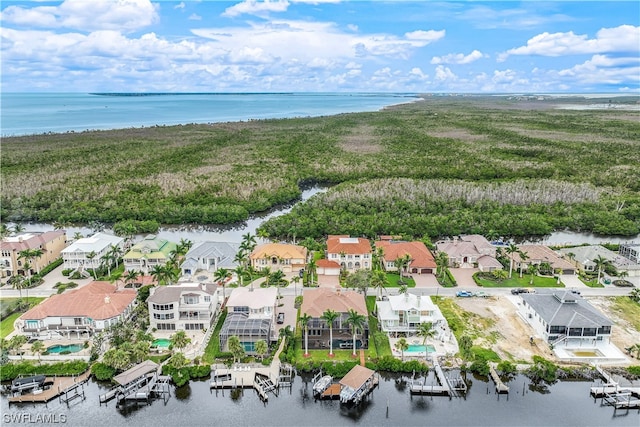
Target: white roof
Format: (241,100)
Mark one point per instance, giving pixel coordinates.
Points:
(96,243)
(387,309)
(256,299)
(349,240)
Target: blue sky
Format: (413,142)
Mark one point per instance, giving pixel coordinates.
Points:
(320,46)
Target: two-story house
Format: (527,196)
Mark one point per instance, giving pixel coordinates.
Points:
(78,313)
(88,252)
(405,313)
(183,307)
(49,244)
(250,317)
(210,256)
(538,254)
(564,317)
(279,256)
(150,252)
(352,253)
(420,258)
(317,301)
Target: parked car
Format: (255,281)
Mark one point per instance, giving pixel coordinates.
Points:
(481,294)
(517,291)
(464,294)
(280,319)
(575,291)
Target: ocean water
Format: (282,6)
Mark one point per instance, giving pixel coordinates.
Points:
(37,113)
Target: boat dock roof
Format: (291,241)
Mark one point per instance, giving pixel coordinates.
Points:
(357,377)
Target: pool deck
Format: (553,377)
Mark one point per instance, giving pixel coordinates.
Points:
(443,345)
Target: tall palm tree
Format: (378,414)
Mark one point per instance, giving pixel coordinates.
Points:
(425,330)
(221,275)
(107,259)
(116,254)
(304,322)
(180,340)
(311,271)
(356,321)
(523,257)
(402,345)
(37,348)
(260,347)
(601,262)
(158,274)
(17,228)
(330,316)
(442,261)
(90,256)
(510,250)
(248,242)
(240,271)
(532,270)
(379,281)
(131,276)
(295,280)
(4,230)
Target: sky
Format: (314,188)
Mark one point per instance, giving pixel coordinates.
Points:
(320,46)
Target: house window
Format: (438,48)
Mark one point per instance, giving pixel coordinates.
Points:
(162,306)
(163,316)
(166,326)
(243,309)
(78,321)
(191,299)
(207,298)
(604,330)
(193,326)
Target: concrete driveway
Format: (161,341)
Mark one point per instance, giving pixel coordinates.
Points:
(464,277)
(425,281)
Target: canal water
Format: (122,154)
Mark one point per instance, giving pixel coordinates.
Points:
(391,404)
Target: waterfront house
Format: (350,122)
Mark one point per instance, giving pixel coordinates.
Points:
(183,307)
(584,257)
(631,251)
(405,313)
(325,267)
(538,254)
(421,259)
(279,256)
(51,243)
(83,311)
(210,256)
(88,252)
(563,316)
(317,301)
(470,251)
(150,252)
(250,317)
(352,253)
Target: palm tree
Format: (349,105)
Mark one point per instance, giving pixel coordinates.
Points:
(241,258)
(240,270)
(18,282)
(158,274)
(108,260)
(90,256)
(402,345)
(304,322)
(77,235)
(311,271)
(140,351)
(295,280)
(220,276)
(4,230)
(236,348)
(248,242)
(261,348)
(572,257)
(379,281)
(17,228)
(523,257)
(601,262)
(532,270)
(180,340)
(116,254)
(442,261)
(330,316)
(276,277)
(37,348)
(184,246)
(425,330)
(131,276)
(356,321)
(510,250)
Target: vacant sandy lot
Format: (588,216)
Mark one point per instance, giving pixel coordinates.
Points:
(513,333)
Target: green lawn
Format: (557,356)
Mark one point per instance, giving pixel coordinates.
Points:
(629,310)
(6,326)
(517,282)
(591,282)
(393,279)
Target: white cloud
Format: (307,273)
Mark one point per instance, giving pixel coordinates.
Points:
(603,69)
(121,15)
(255,7)
(444,74)
(525,17)
(180,5)
(458,58)
(625,38)
(195,17)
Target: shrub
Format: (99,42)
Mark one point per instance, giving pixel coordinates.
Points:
(635,370)
(102,372)
(67,271)
(506,367)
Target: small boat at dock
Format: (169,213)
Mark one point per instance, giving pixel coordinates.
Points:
(322,384)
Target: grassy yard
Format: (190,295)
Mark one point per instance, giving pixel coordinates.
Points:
(393,279)
(517,282)
(628,310)
(462,322)
(6,326)
(591,282)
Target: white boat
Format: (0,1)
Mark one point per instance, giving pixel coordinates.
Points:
(322,384)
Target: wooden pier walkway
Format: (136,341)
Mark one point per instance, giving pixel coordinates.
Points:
(60,386)
(451,387)
(500,386)
(332,392)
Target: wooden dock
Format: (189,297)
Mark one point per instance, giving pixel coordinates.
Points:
(500,386)
(445,386)
(61,385)
(332,392)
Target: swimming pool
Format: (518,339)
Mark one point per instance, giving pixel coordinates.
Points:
(71,348)
(161,342)
(417,348)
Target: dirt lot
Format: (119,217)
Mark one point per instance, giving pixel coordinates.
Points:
(513,333)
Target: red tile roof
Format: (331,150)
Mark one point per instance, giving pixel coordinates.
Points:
(421,256)
(348,245)
(97,300)
(317,301)
(325,263)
